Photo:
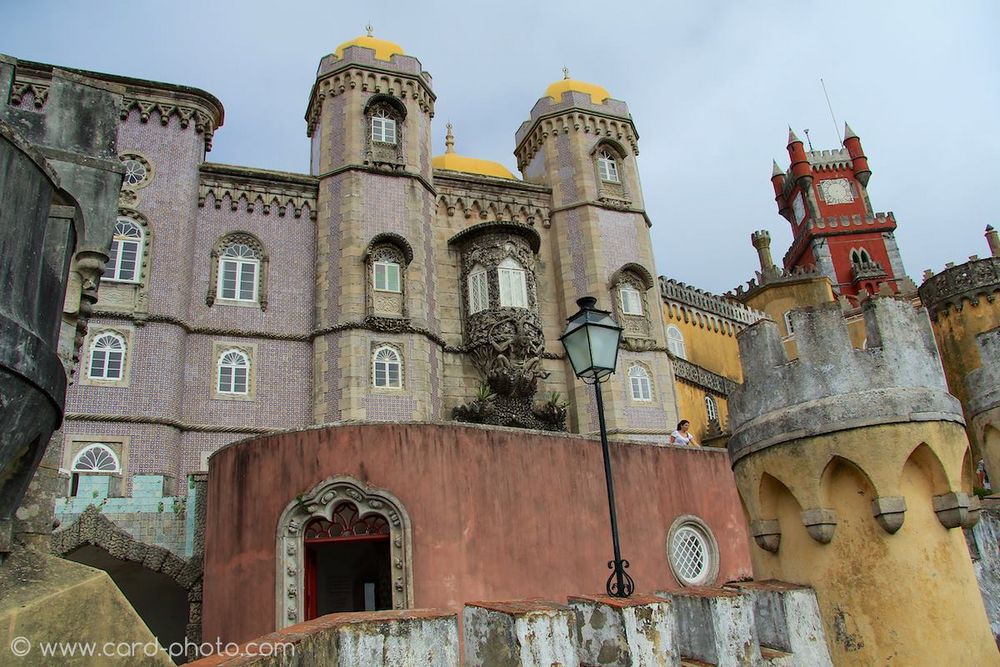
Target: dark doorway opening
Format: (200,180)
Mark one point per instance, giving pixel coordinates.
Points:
(347,563)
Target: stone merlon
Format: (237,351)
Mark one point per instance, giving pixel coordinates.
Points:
(832,386)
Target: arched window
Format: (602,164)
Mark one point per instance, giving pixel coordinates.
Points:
(479,290)
(383,127)
(638,379)
(387,368)
(107,357)
(711,408)
(125,256)
(234,372)
(607,167)
(96,458)
(865,257)
(239,267)
(675,342)
(513,285)
(631,300)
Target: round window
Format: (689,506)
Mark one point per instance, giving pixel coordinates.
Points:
(137,170)
(692,552)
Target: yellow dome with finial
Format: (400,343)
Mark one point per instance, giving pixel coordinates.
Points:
(384,50)
(597,93)
(452,161)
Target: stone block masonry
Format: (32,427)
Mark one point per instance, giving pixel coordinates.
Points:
(691,627)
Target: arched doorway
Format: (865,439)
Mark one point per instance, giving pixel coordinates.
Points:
(348,545)
(347,566)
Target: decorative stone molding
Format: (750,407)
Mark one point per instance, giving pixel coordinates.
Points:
(575,120)
(493,206)
(166,107)
(820,523)
(39,93)
(380,154)
(766,533)
(93,528)
(867,271)
(889,511)
(370,79)
(957,509)
(836,225)
(702,377)
(637,329)
(955,285)
(257,190)
(381,305)
(166,421)
(321,502)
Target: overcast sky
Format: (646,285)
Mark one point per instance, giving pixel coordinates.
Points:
(712,87)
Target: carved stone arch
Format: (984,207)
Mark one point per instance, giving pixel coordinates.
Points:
(392,248)
(927,462)
(609,144)
(255,245)
(830,469)
(380,154)
(640,272)
(93,528)
(614,193)
(321,502)
(630,277)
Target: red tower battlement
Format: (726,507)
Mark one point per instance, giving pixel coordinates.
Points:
(824,196)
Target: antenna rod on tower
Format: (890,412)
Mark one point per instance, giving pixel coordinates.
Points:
(832,115)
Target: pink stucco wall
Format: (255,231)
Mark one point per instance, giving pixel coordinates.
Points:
(495,513)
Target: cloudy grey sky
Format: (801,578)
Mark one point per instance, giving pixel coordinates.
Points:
(712,87)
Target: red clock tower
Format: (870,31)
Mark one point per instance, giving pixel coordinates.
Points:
(824,197)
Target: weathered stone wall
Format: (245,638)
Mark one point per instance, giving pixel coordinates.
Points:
(983,539)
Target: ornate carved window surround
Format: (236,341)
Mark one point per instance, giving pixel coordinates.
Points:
(320,502)
(632,277)
(386,249)
(612,183)
(252,242)
(379,109)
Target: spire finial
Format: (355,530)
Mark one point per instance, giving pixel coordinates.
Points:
(370,29)
(565,72)
(449,140)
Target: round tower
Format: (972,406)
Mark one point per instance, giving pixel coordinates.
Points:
(962,304)
(854,469)
(582,144)
(369,120)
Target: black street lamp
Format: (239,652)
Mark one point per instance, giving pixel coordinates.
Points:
(591,341)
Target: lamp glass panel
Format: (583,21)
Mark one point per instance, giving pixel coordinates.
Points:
(577,344)
(604,344)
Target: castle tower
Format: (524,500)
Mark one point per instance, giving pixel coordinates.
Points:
(369,119)
(962,304)
(824,196)
(581,143)
(854,470)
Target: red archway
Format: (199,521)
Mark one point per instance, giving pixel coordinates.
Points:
(347,564)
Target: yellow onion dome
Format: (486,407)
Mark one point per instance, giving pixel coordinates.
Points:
(452,161)
(384,50)
(597,93)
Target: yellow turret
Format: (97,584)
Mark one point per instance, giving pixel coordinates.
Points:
(452,161)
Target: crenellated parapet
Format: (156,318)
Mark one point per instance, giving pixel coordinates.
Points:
(673,290)
(775,277)
(834,225)
(833,386)
(969,282)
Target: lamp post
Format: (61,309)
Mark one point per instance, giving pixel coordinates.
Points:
(591,341)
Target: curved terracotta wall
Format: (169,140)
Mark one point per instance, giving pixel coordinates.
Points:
(496,513)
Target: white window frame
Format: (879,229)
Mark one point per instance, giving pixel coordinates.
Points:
(107,351)
(383,359)
(640,385)
(630,296)
(99,447)
(387,269)
(226,370)
(675,341)
(788,323)
(115,270)
(246,259)
(383,128)
(693,530)
(711,407)
(607,167)
(479,290)
(513,283)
